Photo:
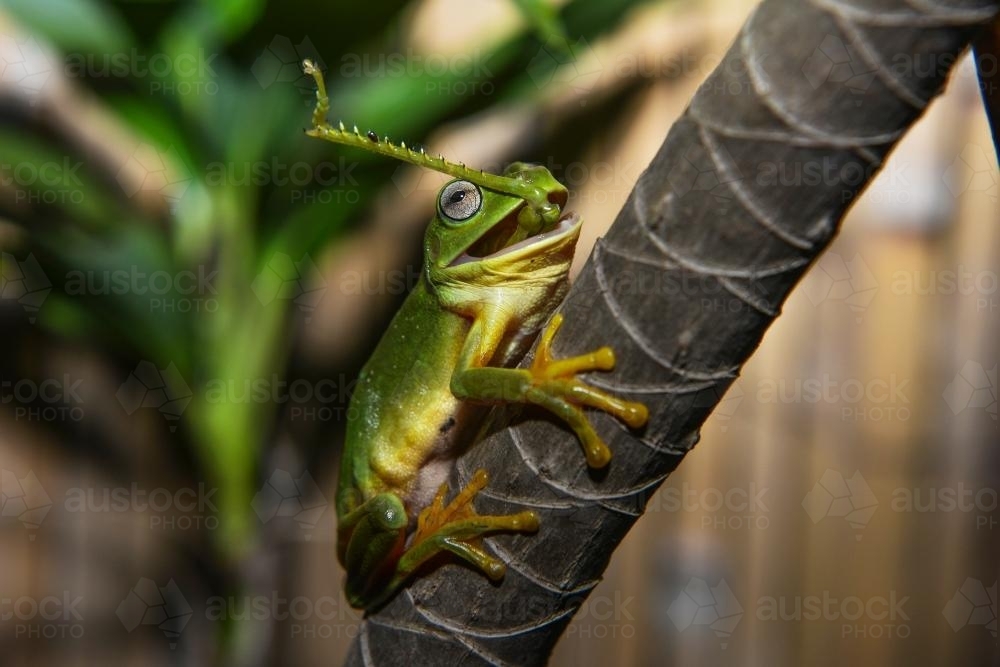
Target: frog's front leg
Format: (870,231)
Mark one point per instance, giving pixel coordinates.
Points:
(550,383)
(375,558)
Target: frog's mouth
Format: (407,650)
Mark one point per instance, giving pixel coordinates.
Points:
(497,241)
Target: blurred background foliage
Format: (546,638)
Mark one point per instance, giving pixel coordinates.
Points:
(165,138)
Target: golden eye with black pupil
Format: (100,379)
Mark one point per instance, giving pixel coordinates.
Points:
(460,200)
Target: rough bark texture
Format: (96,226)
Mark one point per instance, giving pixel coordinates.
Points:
(714,236)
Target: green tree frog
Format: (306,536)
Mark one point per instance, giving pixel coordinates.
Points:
(496,263)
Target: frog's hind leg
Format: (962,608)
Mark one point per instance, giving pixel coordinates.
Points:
(370,538)
(456,528)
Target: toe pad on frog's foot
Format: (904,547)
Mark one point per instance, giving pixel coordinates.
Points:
(635,414)
(604,359)
(525,521)
(495,570)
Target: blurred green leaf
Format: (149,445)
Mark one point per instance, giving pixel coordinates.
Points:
(234,16)
(43,177)
(545,19)
(74,24)
(108,277)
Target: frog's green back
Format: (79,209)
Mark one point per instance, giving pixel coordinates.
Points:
(402,400)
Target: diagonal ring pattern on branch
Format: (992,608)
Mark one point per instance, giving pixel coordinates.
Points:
(715,219)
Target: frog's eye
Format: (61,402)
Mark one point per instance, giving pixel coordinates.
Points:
(460,200)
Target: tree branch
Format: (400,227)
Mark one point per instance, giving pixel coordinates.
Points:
(717,231)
